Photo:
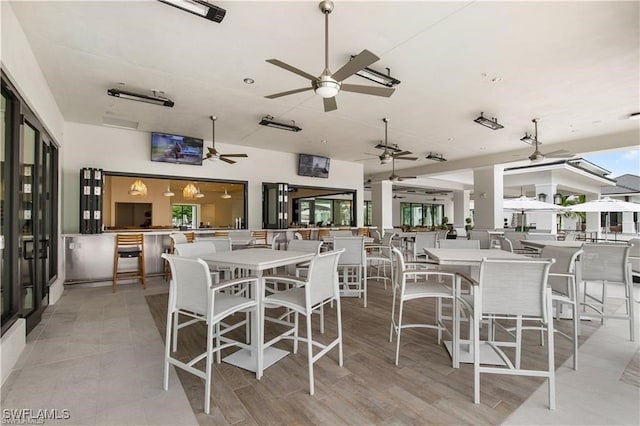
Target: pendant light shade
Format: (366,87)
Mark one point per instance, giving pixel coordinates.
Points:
(226,195)
(189,192)
(168,192)
(138,189)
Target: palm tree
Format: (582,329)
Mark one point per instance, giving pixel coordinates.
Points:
(571,200)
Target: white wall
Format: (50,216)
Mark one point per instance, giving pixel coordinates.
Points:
(120,150)
(20,65)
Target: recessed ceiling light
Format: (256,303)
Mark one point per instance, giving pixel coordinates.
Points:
(496,79)
(450,139)
(482,148)
(323,141)
(249,80)
(634,116)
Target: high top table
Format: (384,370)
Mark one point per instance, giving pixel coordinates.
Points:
(471,258)
(257,260)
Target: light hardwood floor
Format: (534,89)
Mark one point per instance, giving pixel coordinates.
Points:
(369,388)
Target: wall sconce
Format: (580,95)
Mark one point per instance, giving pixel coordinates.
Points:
(138,189)
(542,197)
(557,199)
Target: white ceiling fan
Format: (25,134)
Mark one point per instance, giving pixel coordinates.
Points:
(328,84)
(537,155)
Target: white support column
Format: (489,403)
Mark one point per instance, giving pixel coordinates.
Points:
(460,208)
(488,190)
(628,227)
(593,218)
(382,205)
(545,220)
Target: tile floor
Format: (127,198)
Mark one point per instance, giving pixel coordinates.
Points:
(99,355)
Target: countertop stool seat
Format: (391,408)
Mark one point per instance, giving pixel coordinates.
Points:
(129,246)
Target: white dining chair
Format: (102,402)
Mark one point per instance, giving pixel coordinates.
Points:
(634,261)
(603,264)
(419,281)
(352,274)
(511,290)
(193,295)
(481,235)
(379,260)
(422,240)
(304,297)
(564,286)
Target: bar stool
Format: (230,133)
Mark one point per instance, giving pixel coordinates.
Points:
(176,238)
(129,246)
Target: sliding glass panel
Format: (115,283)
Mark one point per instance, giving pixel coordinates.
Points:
(27,262)
(5,283)
(342,212)
(323,212)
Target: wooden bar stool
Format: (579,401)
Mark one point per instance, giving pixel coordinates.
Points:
(129,246)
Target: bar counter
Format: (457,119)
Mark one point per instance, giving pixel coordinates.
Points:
(89,257)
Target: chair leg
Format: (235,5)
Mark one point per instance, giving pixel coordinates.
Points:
(476,358)
(519,340)
(439,318)
(209,360)
(218,355)
(630,308)
(167,351)
(393,316)
(176,317)
(115,272)
(398,332)
(576,333)
(322,319)
(339,321)
(295,333)
(551,361)
(310,355)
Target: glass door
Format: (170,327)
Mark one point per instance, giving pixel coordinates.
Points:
(28,264)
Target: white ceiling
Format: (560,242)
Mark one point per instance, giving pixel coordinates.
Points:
(574,65)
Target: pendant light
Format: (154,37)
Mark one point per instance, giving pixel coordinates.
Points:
(189,192)
(138,189)
(226,195)
(168,192)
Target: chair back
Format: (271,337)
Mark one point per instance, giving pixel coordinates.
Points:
(565,258)
(323,277)
(304,233)
(323,233)
(341,233)
(354,253)
(514,237)
(459,244)
(442,234)
(221,234)
(377,237)
(190,285)
(514,287)
(362,232)
(307,246)
(178,238)
(194,250)
(222,244)
(570,236)
(505,244)
(274,241)
(634,255)
(388,236)
(605,262)
(424,240)
(298,236)
(260,237)
(541,237)
(398,266)
(482,236)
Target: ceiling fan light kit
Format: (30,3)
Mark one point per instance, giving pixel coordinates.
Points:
(154,99)
(268,121)
(490,123)
(436,157)
(200,8)
(328,84)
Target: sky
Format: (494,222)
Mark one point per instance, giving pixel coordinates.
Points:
(618,163)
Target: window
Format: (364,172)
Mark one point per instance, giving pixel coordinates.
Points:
(184,215)
(367,213)
(414,214)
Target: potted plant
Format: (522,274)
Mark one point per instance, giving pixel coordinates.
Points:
(468,226)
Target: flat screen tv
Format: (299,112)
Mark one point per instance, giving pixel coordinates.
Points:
(313,165)
(176,149)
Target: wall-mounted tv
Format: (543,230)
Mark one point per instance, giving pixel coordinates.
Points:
(176,149)
(313,165)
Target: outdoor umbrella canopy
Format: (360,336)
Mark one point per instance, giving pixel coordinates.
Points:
(605,205)
(523,204)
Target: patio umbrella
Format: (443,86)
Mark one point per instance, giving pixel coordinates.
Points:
(605,205)
(523,204)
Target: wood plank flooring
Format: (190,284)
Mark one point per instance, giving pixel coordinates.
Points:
(369,388)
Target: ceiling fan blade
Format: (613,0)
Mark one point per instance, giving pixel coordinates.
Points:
(226,160)
(408,177)
(234,155)
(406,158)
(367,90)
(562,153)
(212,150)
(292,69)
(401,153)
(288,92)
(330,104)
(363,60)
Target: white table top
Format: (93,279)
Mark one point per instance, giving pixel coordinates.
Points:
(542,243)
(258,259)
(329,239)
(468,257)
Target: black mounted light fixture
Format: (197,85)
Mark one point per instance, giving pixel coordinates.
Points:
(377,76)
(530,139)
(156,99)
(200,8)
(436,157)
(490,123)
(267,120)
